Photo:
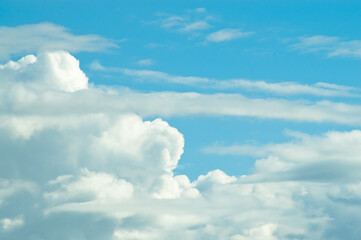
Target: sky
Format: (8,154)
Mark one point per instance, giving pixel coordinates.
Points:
(142,120)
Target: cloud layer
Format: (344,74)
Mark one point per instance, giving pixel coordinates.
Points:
(90,167)
(281,88)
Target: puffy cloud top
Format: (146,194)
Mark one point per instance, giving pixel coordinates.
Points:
(56,70)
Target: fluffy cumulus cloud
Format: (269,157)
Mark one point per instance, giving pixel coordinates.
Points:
(49,70)
(90,167)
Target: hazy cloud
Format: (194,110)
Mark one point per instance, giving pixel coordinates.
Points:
(192,22)
(32,38)
(9,224)
(227,34)
(331,46)
(146,62)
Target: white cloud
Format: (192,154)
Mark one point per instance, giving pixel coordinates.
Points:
(200,10)
(134,234)
(332,157)
(146,62)
(9,224)
(227,34)
(150,75)
(184,24)
(194,26)
(332,46)
(173,104)
(130,190)
(50,70)
(216,177)
(9,188)
(281,88)
(92,186)
(47,36)
(258,233)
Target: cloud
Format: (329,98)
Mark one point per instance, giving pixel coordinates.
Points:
(51,95)
(31,38)
(332,157)
(50,70)
(227,34)
(258,233)
(194,26)
(184,24)
(140,235)
(9,224)
(206,182)
(92,186)
(281,88)
(331,46)
(146,62)
(103,172)
(150,75)
(200,10)
(11,187)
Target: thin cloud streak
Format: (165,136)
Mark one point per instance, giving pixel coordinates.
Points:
(227,34)
(32,38)
(331,46)
(281,88)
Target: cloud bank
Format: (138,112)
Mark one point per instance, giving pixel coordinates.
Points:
(90,167)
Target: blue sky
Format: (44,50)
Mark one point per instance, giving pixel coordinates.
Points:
(116,114)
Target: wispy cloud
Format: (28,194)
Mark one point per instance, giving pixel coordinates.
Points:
(12,91)
(48,36)
(194,26)
(227,34)
(150,75)
(192,22)
(9,224)
(281,88)
(331,46)
(146,62)
(200,10)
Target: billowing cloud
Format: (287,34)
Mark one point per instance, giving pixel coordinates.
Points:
(91,186)
(50,70)
(102,172)
(31,38)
